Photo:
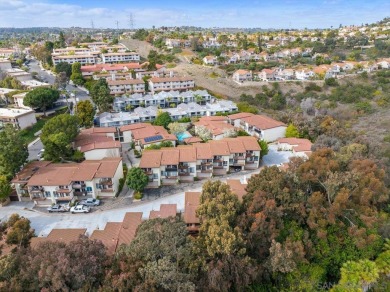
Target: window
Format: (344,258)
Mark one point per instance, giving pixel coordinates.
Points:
(89,189)
(47,194)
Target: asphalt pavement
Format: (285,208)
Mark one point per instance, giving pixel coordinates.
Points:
(49,77)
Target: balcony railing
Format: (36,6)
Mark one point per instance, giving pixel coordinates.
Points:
(239,157)
(184,173)
(106,182)
(148,172)
(63,190)
(206,163)
(183,166)
(78,185)
(36,189)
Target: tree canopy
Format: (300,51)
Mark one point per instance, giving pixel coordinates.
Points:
(76,75)
(136,179)
(163,119)
(64,67)
(41,97)
(100,94)
(57,135)
(13,151)
(85,113)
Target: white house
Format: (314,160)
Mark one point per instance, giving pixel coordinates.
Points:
(262,127)
(300,147)
(210,60)
(122,86)
(267,75)
(71,59)
(19,118)
(242,75)
(170,83)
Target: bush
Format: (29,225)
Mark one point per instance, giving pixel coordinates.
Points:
(331,82)
(137,154)
(138,195)
(121,184)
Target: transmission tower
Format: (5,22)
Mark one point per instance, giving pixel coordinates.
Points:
(117,25)
(131,21)
(92,25)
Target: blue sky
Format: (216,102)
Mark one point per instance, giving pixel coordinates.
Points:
(238,13)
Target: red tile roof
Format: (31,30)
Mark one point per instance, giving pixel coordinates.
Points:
(263,122)
(166,210)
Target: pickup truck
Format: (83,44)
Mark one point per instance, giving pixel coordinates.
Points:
(57,208)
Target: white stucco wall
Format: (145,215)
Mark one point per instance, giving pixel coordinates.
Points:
(27,120)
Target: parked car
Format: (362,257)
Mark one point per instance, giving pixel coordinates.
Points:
(58,208)
(40,153)
(90,202)
(80,209)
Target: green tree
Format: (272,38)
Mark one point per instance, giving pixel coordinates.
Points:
(163,119)
(220,247)
(136,179)
(156,260)
(13,151)
(264,148)
(41,98)
(76,75)
(19,231)
(85,113)
(5,188)
(292,131)
(64,67)
(177,128)
(100,94)
(57,135)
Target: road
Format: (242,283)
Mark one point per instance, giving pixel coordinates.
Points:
(33,149)
(44,222)
(48,77)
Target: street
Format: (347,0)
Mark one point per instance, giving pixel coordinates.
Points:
(33,149)
(49,78)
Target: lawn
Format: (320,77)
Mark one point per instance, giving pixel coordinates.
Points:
(28,133)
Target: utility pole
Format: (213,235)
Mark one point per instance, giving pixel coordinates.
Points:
(92,25)
(117,25)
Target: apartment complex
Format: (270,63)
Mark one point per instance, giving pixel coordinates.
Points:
(19,118)
(163,99)
(46,183)
(99,69)
(262,127)
(170,83)
(128,85)
(168,166)
(120,57)
(148,114)
(71,59)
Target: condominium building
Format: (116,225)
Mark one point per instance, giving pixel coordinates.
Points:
(71,59)
(163,99)
(110,69)
(47,183)
(122,86)
(120,57)
(170,83)
(18,117)
(167,166)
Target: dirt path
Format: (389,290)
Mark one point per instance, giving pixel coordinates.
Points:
(142,47)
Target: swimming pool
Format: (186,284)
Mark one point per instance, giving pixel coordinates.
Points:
(182,136)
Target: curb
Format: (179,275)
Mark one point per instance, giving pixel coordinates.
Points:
(33,142)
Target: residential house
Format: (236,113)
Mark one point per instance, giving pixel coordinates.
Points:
(5,64)
(116,234)
(217,125)
(242,75)
(267,75)
(191,203)
(262,127)
(304,74)
(18,117)
(97,143)
(6,52)
(237,187)
(166,211)
(300,147)
(47,183)
(18,74)
(210,60)
(66,235)
(145,135)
